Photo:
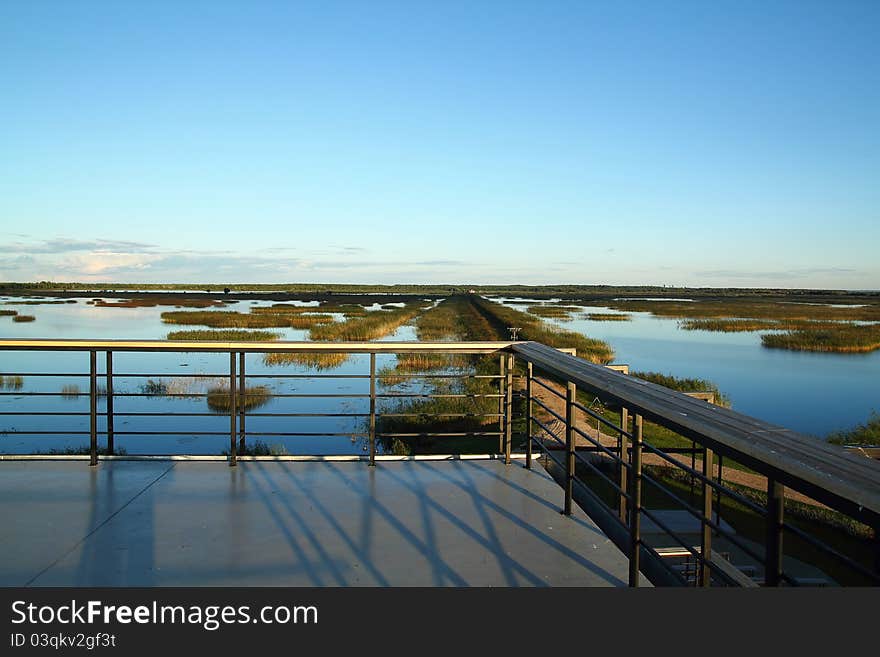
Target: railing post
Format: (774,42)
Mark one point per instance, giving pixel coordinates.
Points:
(775,507)
(373,409)
(508,412)
(111,448)
(93,408)
(706,530)
(570,396)
(635,491)
(623,454)
(502,399)
(232,410)
(529,422)
(242,404)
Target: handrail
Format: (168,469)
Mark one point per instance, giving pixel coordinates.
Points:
(824,472)
(223,346)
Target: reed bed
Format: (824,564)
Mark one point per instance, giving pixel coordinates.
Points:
(230,334)
(531,328)
(862,434)
(36,302)
(13,382)
(8,313)
(454,318)
(70,391)
(313,360)
(254,319)
(778,310)
(308,321)
(225,319)
(608,317)
(193,386)
(851,338)
(746,325)
(284,309)
(23,318)
(254,397)
(562,313)
(683,384)
(371,326)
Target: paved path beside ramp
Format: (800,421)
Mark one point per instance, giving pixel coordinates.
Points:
(283,523)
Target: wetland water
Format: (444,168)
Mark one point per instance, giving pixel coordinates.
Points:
(813,393)
(82,321)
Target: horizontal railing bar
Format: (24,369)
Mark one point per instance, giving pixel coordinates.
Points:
(168,433)
(305,433)
(250,415)
(218,414)
(730,536)
(29,413)
(699,516)
(281,346)
(407,395)
(615,428)
(709,481)
(614,485)
(548,431)
(425,375)
(222,375)
(306,395)
(85,374)
(23,393)
(489,415)
(549,410)
(547,387)
(670,532)
(16,432)
(452,434)
(602,448)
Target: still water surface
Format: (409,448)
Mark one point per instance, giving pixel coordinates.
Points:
(203,371)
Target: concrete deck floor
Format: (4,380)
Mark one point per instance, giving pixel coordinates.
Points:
(178,523)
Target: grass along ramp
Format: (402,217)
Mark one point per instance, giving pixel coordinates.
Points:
(531,328)
(465,408)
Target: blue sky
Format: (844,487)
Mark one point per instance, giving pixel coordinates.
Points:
(676,143)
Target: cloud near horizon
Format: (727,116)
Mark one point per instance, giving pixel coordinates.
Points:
(119,261)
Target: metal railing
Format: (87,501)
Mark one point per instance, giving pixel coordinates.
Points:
(840,481)
(236,388)
(617,481)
